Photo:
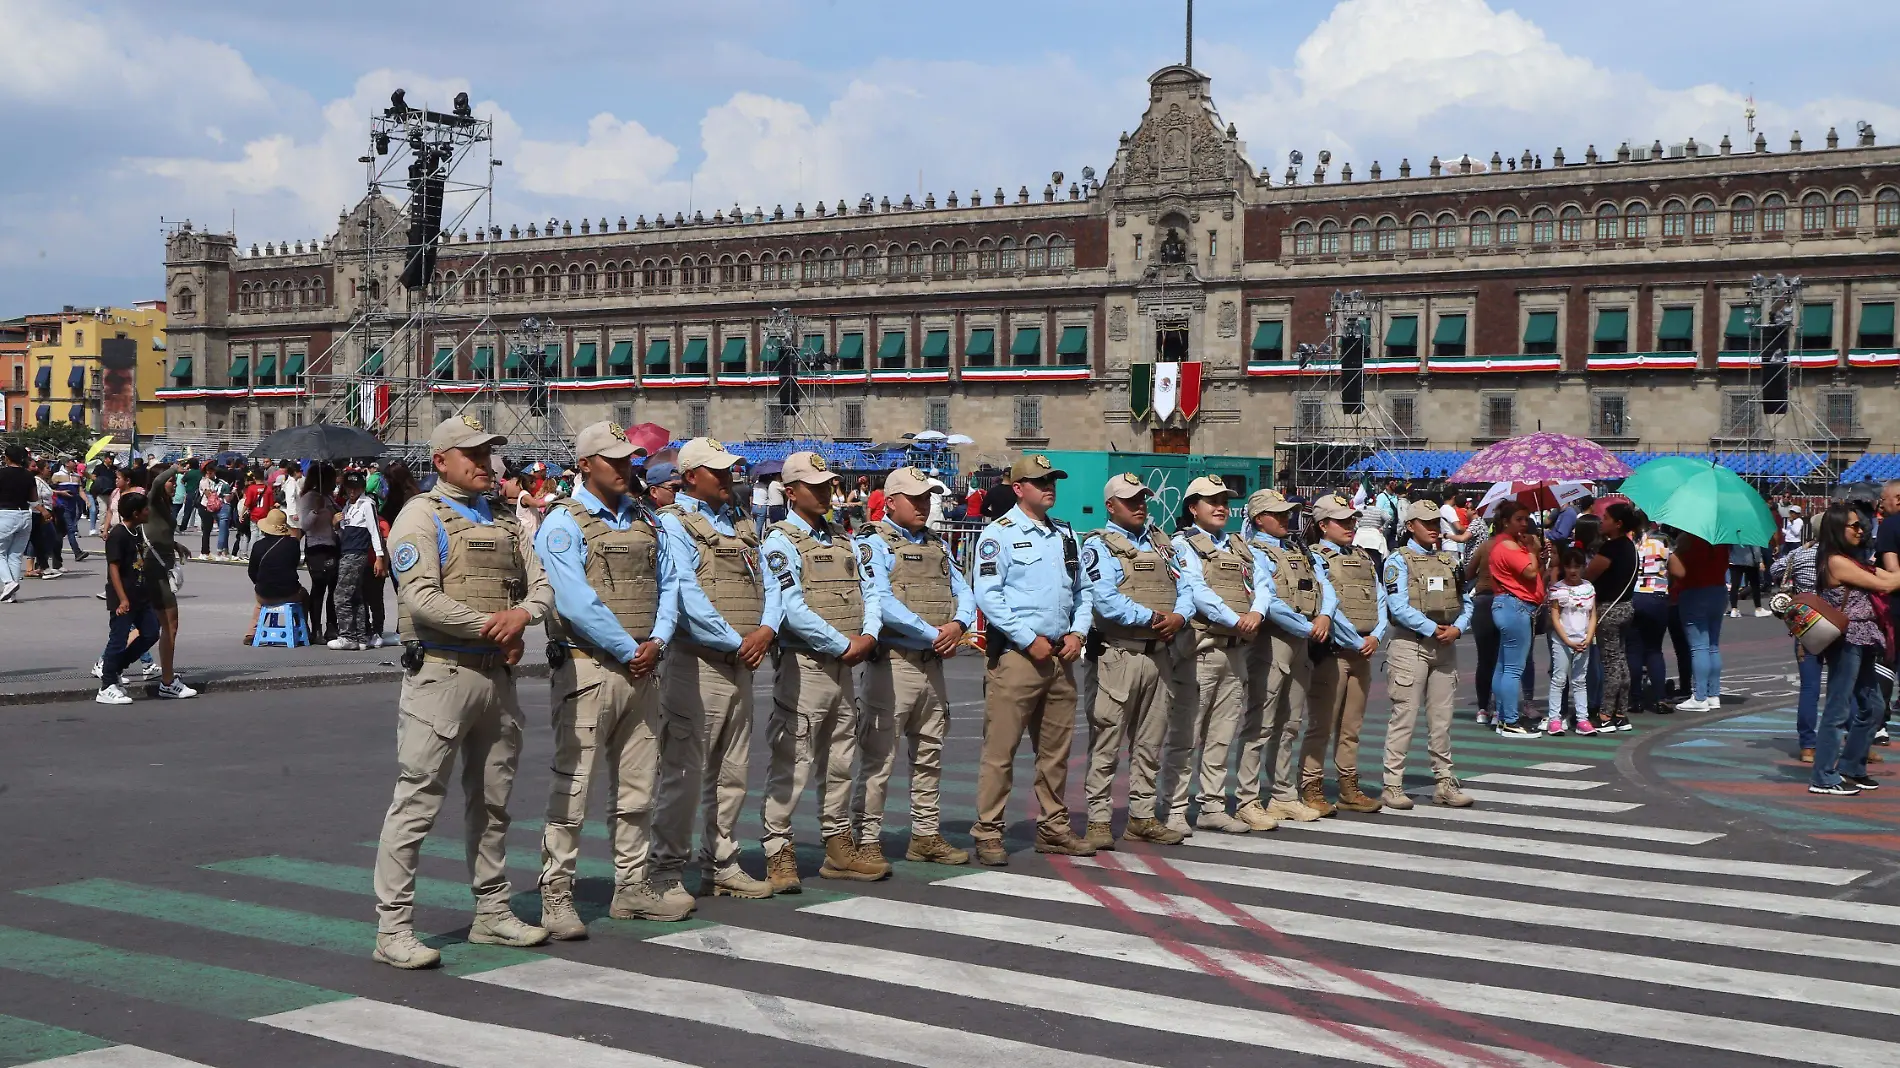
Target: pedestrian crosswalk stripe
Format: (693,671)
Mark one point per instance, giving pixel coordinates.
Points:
(448,1040)
(1484,999)
(1558,765)
(24,1041)
(117,1057)
(1588,854)
(1107,1004)
(1574,882)
(1536,782)
(1577,960)
(1574,804)
(1525,821)
(847,1031)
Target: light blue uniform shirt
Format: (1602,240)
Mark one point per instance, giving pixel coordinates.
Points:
(1023,583)
(1280,613)
(1104,571)
(1194,576)
(564,557)
(704,625)
(785,592)
(1343,633)
(903,627)
(1398,596)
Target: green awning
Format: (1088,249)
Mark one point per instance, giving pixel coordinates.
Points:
(1817,321)
(1876,320)
(1678,324)
(1074,342)
(1540,329)
(551,360)
(891,346)
(733,354)
(659,354)
(267,366)
(444,366)
(1028,342)
(695,354)
(584,356)
(240,368)
(851,349)
(181,368)
(484,360)
(1451,330)
(1402,332)
(513,361)
(293,365)
(1737,328)
(1267,337)
(937,345)
(620,357)
(814,345)
(982,343)
(374,365)
(1613,325)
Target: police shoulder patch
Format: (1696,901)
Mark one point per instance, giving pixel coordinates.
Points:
(864,557)
(946,564)
(988,548)
(775,560)
(1089,559)
(559,541)
(406,556)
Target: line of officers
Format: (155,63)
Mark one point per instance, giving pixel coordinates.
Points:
(659,609)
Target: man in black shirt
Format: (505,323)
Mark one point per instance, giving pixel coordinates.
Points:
(129,563)
(17,497)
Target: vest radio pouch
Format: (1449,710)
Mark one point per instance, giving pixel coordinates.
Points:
(412,657)
(557,655)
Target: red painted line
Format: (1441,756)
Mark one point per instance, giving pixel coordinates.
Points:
(1878,841)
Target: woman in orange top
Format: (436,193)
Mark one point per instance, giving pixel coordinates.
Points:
(1518,581)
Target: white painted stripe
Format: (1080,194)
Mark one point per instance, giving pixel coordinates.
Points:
(807,1023)
(1588,854)
(437,1039)
(1632,889)
(1106,1004)
(118,1057)
(1574,804)
(1482,999)
(1536,782)
(1558,765)
(1526,821)
(1630,967)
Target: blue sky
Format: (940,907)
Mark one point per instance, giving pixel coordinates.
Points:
(118,113)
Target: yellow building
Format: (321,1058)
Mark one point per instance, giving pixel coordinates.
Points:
(66,378)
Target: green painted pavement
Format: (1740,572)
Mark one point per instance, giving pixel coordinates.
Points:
(168,980)
(23,1042)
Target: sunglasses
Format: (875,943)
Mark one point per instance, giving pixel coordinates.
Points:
(1042,483)
(1855,526)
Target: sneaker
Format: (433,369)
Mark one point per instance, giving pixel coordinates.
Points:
(1101,836)
(152,669)
(112,695)
(376,642)
(1880,737)
(1298,810)
(505,929)
(1484,718)
(1554,725)
(1585,728)
(1735,613)
(404,950)
(1217,819)
(731,880)
(344,644)
(1692,705)
(1255,816)
(98,669)
(1839,789)
(80,555)
(1151,830)
(176,689)
(1620,722)
(991,854)
(781,869)
(935,849)
(1760,612)
(11,592)
(1178,824)
(1862,781)
(1394,797)
(101,595)
(558,914)
(1515,731)
(1715,703)
(1662,710)
(52,573)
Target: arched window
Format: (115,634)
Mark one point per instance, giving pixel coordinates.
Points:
(612,281)
(1702,217)
(871,261)
(1447,230)
(1480,229)
(665,276)
(1303,238)
(1675,221)
(1388,234)
(960,254)
(1570,224)
(808,266)
(1846,209)
(1543,227)
(1606,223)
(1774,214)
(728,273)
(1507,226)
(1814,212)
(985,255)
(1421,233)
(1329,238)
(768,271)
(1006,254)
(1058,251)
(1362,235)
(745,268)
(303,287)
(1636,220)
(1034,256)
(940,256)
(705,270)
(589,276)
(1741,215)
(1887,208)
(574,278)
(828,264)
(448,286)
(317,291)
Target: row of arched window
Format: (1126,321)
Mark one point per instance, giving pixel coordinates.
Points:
(291,293)
(1817,213)
(1035,253)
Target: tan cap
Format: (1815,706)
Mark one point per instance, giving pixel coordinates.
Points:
(1423,511)
(461,432)
(705,452)
(806,467)
(1123,486)
(603,439)
(1267,500)
(1208,486)
(1034,465)
(1333,506)
(909,481)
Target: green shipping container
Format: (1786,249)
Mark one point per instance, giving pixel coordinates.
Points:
(1079,497)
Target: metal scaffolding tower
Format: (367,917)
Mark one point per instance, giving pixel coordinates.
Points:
(804,392)
(1340,414)
(1774,416)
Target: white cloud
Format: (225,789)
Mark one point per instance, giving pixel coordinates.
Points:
(619,159)
(62,60)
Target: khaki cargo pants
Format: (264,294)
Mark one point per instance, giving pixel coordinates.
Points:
(813,730)
(449,711)
(1134,696)
(1211,699)
(904,695)
(1337,713)
(1279,673)
(1020,695)
(602,715)
(706,704)
(1419,671)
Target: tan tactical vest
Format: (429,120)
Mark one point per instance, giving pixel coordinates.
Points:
(1293,580)
(920,576)
(1357,586)
(1443,604)
(1227,567)
(623,567)
(482,571)
(1146,580)
(830,580)
(728,569)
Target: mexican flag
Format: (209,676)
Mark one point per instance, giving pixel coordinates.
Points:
(1161,389)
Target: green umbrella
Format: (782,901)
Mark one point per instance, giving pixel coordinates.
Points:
(1704,499)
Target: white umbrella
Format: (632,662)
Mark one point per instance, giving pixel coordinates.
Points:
(929,435)
(1563,493)
(960,439)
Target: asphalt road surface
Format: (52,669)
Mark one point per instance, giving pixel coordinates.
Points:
(188,883)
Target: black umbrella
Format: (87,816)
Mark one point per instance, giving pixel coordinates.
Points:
(319,441)
(1864,490)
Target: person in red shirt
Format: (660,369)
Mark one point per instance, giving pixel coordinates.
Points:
(1698,582)
(874,504)
(1517,577)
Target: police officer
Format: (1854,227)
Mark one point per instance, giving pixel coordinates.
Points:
(1300,605)
(616,602)
(1140,606)
(468,584)
(927,608)
(1030,586)
(1342,678)
(1227,582)
(706,684)
(815,577)
(1430,609)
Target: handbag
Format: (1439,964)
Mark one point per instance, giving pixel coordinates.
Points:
(1813,622)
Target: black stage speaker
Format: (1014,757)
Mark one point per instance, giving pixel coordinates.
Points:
(1352,374)
(1774,366)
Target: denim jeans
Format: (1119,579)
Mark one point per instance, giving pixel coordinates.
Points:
(1702,610)
(1852,713)
(1569,670)
(224,529)
(1649,675)
(1808,708)
(1513,619)
(16,530)
(96,507)
(120,651)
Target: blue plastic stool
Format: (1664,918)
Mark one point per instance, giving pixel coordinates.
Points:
(281,624)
